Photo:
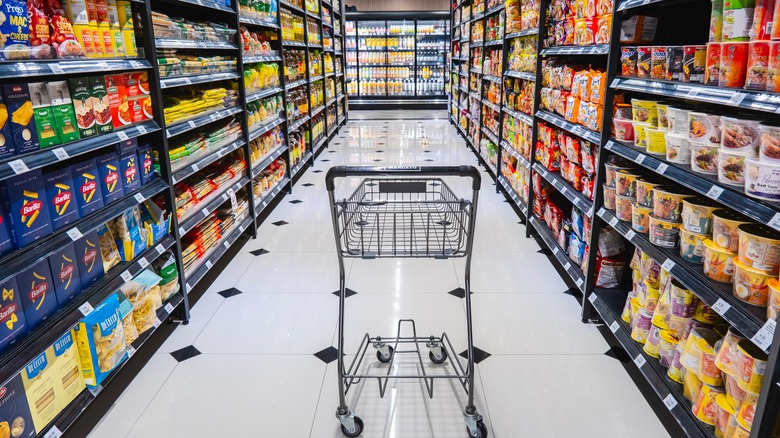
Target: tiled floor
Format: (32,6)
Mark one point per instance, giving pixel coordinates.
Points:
(257,376)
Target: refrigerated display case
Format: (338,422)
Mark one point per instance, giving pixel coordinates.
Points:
(397,59)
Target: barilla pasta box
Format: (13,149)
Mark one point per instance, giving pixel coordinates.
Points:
(100,338)
(43,114)
(100,104)
(66,366)
(20,109)
(39,383)
(82,105)
(65,274)
(13,324)
(127,146)
(88,188)
(6,243)
(7,147)
(109,176)
(15,418)
(62,107)
(89,259)
(146,163)
(61,193)
(37,291)
(128,169)
(28,210)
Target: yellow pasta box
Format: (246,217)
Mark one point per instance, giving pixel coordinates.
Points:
(66,366)
(25,201)
(20,111)
(101,341)
(39,383)
(7,147)
(43,113)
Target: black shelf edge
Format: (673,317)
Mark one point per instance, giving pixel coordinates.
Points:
(199,271)
(522,33)
(597,49)
(190,169)
(253,134)
(319,144)
(208,5)
(573,128)
(492,78)
(492,106)
(313,15)
(291,127)
(181,127)
(745,318)
(260,23)
(340,97)
(261,58)
(490,134)
(167,43)
(527,119)
(731,97)
(330,102)
(20,164)
(523,160)
(631,4)
(297,168)
(477,44)
(263,93)
(475,70)
(315,78)
(492,43)
(329,74)
(521,75)
(266,161)
(295,84)
(197,79)
(294,43)
(513,194)
(575,274)
(342,119)
(315,46)
(493,10)
(264,201)
(203,209)
(29,68)
(730,196)
(564,188)
(316,110)
(477,17)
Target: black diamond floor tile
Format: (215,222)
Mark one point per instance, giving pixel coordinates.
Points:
(280,223)
(544,251)
(295,201)
(259,252)
(428,159)
(459,292)
(426,152)
(348,292)
(307,185)
(327,355)
(227,293)
(317,171)
(479,355)
(571,291)
(378,160)
(379,152)
(618,353)
(332,152)
(185,353)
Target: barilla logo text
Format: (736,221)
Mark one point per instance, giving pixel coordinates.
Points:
(89,258)
(31,207)
(65,272)
(108,323)
(38,291)
(111,178)
(88,187)
(130,173)
(61,198)
(7,312)
(147,165)
(3,392)
(16,88)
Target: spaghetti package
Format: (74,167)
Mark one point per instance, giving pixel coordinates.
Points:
(100,337)
(144,293)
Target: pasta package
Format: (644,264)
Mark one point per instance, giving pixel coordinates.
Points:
(24,198)
(127,232)
(13,324)
(39,381)
(14,31)
(88,259)
(166,268)
(108,250)
(100,338)
(15,418)
(144,293)
(66,366)
(20,111)
(43,114)
(128,322)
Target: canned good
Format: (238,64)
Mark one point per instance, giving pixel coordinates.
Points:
(762,179)
(704,129)
(704,159)
(623,207)
(663,233)
(678,148)
(658,62)
(712,68)
(752,366)
(725,228)
(750,285)
(727,359)
(640,218)
(757,65)
(731,168)
(609,198)
(628,60)
(718,262)
(692,246)
(694,63)
(667,202)
(768,140)
(759,248)
(733,64)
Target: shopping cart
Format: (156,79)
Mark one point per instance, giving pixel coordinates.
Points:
(405,212)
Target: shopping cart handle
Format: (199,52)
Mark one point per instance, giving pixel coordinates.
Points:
(423,171)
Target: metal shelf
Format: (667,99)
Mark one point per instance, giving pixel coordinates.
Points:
(521,75)
(219,249)
(263,93)
(490,134)
(204,161)
(513,194)
(261,23)
(197,79)
(297,168)
(26,69)
(564,188)
(493,10)
(294,43)
(208,5)
(266,161)
(319,143)
(522,33)
(598,49)
(476,70)
(295,84)
(630,4)
(492,106)
(292,7)
(261,58)
(573,270)
(291,127)
(315,78)
(262,129)
(201,210)
(316,110)
(523,160)
(166,43)
(492,78)
(494,43)
(579,131)
(263,202)
(528,120)
(181,127)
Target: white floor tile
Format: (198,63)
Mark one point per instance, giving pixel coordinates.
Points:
(200,315)
(303,237)
(400,276)
(292,272)
(512,272)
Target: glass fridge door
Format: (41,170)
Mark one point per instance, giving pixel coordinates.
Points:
(432,42)
(372,57)
(350,43)
(400,58)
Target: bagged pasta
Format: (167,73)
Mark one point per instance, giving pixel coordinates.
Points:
(107,248)
(144,293)
(100,338)
(127,233)
(128,323)
(166,268)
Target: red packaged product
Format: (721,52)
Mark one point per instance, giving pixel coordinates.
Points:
(762,20)
(61,37)
(39,31)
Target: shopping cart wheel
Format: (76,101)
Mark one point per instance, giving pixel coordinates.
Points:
(385,359)
(358,428)
(482,431)
(439,361)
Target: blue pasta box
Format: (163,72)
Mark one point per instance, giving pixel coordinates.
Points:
(13,324)
(128,168)
(37,291)
(6,243)
(61,193)
(28,210)
(89,259)
(7,147)
(100,338)
(146,163)
(127,146)
(15,418)
(108,174)
(88,191)
(65,273)
(20,110)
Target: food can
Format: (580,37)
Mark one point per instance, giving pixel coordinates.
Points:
(640,218)
(683,301)
(725,228)
(663,233)
(609,198)
(704,159)
(759,247)
(674,63)
(728,357)
(697,215)
(750,285)
(644,111)
(651,296)
(752,366)
(642,327)
(762,180)
(658,62)
(709,373)
(737,21)
(656,141)
(666,346)
(653,339)
(628,60)
(731,168)
(705,407)
(623,207)
(640,134)
(712,68)
(663,116)
(611,169)
(768,139)
(694,63)
(675,367)
(773,308)
(623,111)
(678,119)
(773,66)
(626,182)
(718,262)
(740,135)
(704,128)
(668,202)
(747,411)
(626,314)
(644,191)
(692,246)
(725,412)
(644,57)
(733,64)
(624,130)
(678,148)
(758,63)
(734,393)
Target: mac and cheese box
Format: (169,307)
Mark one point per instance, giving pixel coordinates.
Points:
(66,365)
(25,201)
(110,181)
(20,109)
(6,243)
(37,292)
(13,324)
(39,382)
(100,338)
(43,114)
(7,147)
(62,106)
(65,273)
(88,189)
(61,193)
(15,418)
(89,259)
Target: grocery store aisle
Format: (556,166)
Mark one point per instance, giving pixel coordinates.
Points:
(261,323)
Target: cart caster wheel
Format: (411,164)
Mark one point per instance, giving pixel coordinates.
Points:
(358,429)
(482,431)
(433,359)
(385,359)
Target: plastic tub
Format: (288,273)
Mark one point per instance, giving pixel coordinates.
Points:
(747,412)
(750,285)
(773,307)
(725,412)
(663,233)
(653,340)
(678,148)
(683,301)
(768,138)
(739,135)
(704,158)
(697,215)
(663,116)
(624,130)
(731,168)
(644,111)
(642,327)
(667,202)
(651,295)
(609,198)
(640,134)
(704,407)
(692,246)
(709,373)
(727,358)
(734,393)
(623,207)
(752,366)
(666,346)
(718,262)
(706,314)
(626,182)
(656,141)
(644,191)
(759,248)
(675,367)
(725,228)
(611,169)
(678,119)
(762,179)
(704,128)
(640,218)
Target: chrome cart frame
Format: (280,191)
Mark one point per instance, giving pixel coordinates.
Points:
(405,212)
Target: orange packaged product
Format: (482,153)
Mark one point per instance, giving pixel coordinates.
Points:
(39,38)
(567,77)
(733,64)
(597,84)
(603,7)
(603,26)
(586,80)
(582,115)
(762,20)
(757,64)
(590,8)
(572,109)
(773,68)
(775,35)
(712,67)
(579,9)
(570,27)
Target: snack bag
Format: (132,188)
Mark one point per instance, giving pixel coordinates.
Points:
(40,43)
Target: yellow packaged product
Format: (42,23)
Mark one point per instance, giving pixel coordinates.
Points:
(144,293)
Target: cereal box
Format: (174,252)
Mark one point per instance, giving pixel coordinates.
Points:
(20,109)
(62,107)
(88,259)
(15,418)
(28,210)
(61,193)
(82,105)
(128,169)
(101,341)
(7,147)
(100,104)
(6,243)
(39,380)
(88,189)
(110,180)
(43,114)
(66,366)
(14,30)
(13,324)
(146,163)
(37,292)
(65,274)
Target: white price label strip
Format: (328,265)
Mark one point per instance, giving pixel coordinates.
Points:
(614,327)
(122,135)
(226,244)
(139,198)
(775,221)
(56,68)
(157,322)
(567,266)
(18,166)
(130,351)
(602,211)
(763,337)
(54,432)
(86,309)
(670,402)
(169,308)
(126,276)
(191,123)
(579,282)
(142,129)
(693,92)
(662,168)
(668,265)
(721,307)
(208,264)
(159,248)
(74,234)
(630,234)
(613,221)
(205,211)
(143,262)
(60,153)
(639,159)
(640,361)
(187,287)
(182,231)
(714,192)
(737,98)
(592,298)
(608,146)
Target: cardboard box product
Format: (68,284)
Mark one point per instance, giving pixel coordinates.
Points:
(117,100)
(89,259)
(7,147)
(82,105)
(66,365)
(127,146)
(6,242)
(43,114)
(146,163)
(38,380)
(100,104)
(20,109)
(65,274)
(15,418)
(61,193)
(110,180)
(62,107)
(28,210)
(128,168)
(101,341)
(37,291)
(13,324)
(88,188)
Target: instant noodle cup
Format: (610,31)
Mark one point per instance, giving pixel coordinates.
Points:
(739,135)
(739,432)
(733,64)
(626,182)
(757,66)
(706,314)
(653,339)
(628,60)
(692,324)
(678,148)
(747,411)
(644,191)
(678,120)
(692,347)
(752,366)
(762,179)
(773,67)
(623,207)
(623,111)
(626,314)
(609,198)
(734,393)
(656,141)
(718,262)
(728,358)
(666,346)
(709,373)
(731,168)
(692,246)
(705,406)
(683,301)
(725,411)
(750,285)
(650,270)
(712,67)
(663,116)
(667,202)
(624,130)
(636,306)
(773,307)
(759,247)
(640,218)
(768,140)
(642,327)
(675,371)
(677,324)
(645,111)
(651,297)
(697,215)
(663,233)
(703,129)
(691,383)
(640,133)
(704,159)
(611,169)
(694,63)
(725,228)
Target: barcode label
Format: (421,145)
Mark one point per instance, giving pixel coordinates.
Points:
(86,309)
(194,167)
(670,402)
(721,307)
(187,287)
(775,221)
(142,129)
(639,159)
(74,234)
(668,265)
(602,211)
(567,266)
(126,276)
(136,64)
(159,248)
(182,231)
(54,432)
(714,192)
(56,68)
(60,153)
(763,337)
(122,135)
(592,298)
(614,326)
(157,322)
(208,264)
(630,234)
(139,198)
(130,351)
(613,221)
(615,82)
(191,123)
(608,146)
(556,250)
(143,262)
(205,212)
(737,98)
(693,92)
(662,168)
(226,244)
(639,361)
(18,166)
(169,308)
(579,282)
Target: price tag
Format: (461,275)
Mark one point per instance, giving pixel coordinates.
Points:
(601,211)
(136,64)
(56,68)
(775,221)
(191,123)
(205,211)
(556,250)
(157,322)
(613,221)
(576,201)
(670,402)
(182,232)
(54,432)
(567,266)
(213,117)
(639,361)
(122,135)
(195,167)
(614,326)
(86,309)
(226,244)
(763,337)
(233,200)
(60,153)
(168,308)
(579,282)
(721,307)
(224,197)
(167,133)
(737,98)
(104,65)
(187,287)
(608,146)
(74,234)
(592,298)
(187,81)
(142,129)
(614,82)
(159,248)
(130,351)
(18,166)
(693,92)
(143,262)
(630,234)
(139,198)
(668,265)
(126,276)
(563,189)
(714,192)
(639,159)
(208,264)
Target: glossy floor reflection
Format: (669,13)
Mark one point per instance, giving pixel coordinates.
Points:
(257,376)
